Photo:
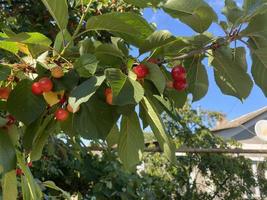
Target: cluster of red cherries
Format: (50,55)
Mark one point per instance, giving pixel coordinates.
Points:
(179,82)
(179,74)
(46,85)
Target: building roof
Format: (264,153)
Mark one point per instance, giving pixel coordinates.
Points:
(239,121)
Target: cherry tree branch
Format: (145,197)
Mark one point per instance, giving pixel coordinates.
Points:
(225,40)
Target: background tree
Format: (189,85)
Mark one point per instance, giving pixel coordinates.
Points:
(195,176)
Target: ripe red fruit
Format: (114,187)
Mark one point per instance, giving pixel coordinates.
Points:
(4,92)
(61,114)
(29,164)
(141,71)
(109,96)
(11,120)
(178,73)
(62,100)
(19,172)
(180,85)
(46,84)
(36,88)
(108,91)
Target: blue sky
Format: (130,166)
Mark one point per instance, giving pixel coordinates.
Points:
(214,100)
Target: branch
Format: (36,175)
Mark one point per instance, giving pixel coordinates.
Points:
(213,46)
(191,54)
(199,150)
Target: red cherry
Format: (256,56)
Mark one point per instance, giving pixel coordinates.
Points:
(153,60)
(4,92)
(62,100)
(108,95)
(11,120)
(29,164)
(36,88)
(141,71)
(180,85)
(109,98)
(108,91)
(61,114)
(46,84)
(178,73)
(19,172)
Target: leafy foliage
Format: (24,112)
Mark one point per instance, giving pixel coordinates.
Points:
(195,176)
(89,43)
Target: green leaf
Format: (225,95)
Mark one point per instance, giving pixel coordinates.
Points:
(30,134)
(156,76)
(200,40)
(85,91)
(173,48)
(131,142)
(95,119)
(129,26)
(231,78)
(177,98)
(132,92)
(7,153)
(157,39)
(7,45)
(62,39)
(166,105)
(86,65)
(67,82)
(4,72)
(41,136)
(30,188)
(240,57)
(195,13)
(109,54)
(197,78)
(33,43)
(232,12)
(23,104)
(36,43)
(253,8)
(113,136)
(3,121)
(52,185)
(116,79)
(259,62)
(67,126)
(86,46)
(9,186)
(121,44)
(256,27)
(25,189)
(14,133)
(156,124)
(33,38)
(59,11)
(143,117)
